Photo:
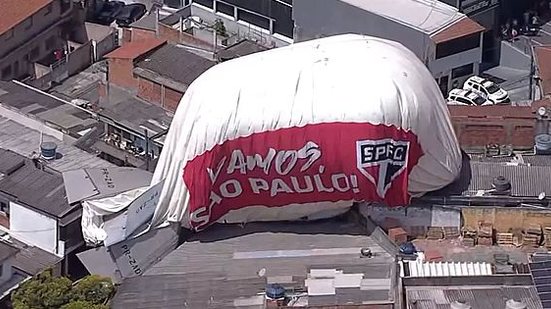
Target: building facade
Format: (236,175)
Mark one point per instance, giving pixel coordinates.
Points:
(447,41)
(30,32)
(487,14)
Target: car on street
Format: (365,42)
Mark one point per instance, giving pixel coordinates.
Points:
(467,97)
(130,13)
(109,12)
(487,88)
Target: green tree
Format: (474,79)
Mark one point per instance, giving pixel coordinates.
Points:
(94,289)
(43,291)
(47,292)
(82,304)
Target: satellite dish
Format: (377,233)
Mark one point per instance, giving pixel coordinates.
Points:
(542,111)
(541,196)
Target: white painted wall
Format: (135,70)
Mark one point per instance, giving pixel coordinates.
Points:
(443,66)
(33,228)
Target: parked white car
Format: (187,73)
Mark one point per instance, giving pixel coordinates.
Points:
(467,97)
(487,88)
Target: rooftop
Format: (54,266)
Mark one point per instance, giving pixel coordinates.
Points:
(45,107)
(147,22)
(7,250)
(40,189)
(428,16)
(487,297)
(175,63)
(32,260)
(15,11)
(24,140)
(135,49)
(463,27)
(125,109)
(239,49)
(230,265)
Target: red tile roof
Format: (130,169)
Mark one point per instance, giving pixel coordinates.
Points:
(543,61)
(133,50)
(13,12)
(463,27)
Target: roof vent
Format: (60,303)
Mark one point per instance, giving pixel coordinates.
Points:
(275,291)
(501,185)
(513,304)
(48,150)
(366,252)
(459,305)
(543,144)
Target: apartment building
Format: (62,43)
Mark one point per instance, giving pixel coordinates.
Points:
(30,32)
(447,41)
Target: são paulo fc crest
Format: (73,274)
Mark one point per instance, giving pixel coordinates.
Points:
(381,161)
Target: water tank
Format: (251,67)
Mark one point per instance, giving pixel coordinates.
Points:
(543,144)
(459,305)
(275,291)
(501,185)
(513,304)
(48,150)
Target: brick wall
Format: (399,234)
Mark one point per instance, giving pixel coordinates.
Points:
(121,73)
(149,91)
(140,34)
(158,94)
(485,125)
(175,36)
(172,99)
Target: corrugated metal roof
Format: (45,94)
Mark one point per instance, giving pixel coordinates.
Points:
(24,140)
(478,297)
(205,271)
(525,180)
(176,63)
(448,269)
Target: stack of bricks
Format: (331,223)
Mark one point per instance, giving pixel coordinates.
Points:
(547,235)
(504,239)
(469,237)
(532,236)
(435,232)
(485,234)
(451,232)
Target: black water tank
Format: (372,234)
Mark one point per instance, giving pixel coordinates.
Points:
(275,291)
(501,185)
(543,144)
(48,150)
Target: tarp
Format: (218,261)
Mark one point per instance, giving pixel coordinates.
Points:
(302,132)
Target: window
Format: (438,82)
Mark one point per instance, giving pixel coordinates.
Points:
(6,72)
(4,207)
(175,4)
(458,45)
(48,9)
(463,100)
(224,8)
(463,70)
(207,3)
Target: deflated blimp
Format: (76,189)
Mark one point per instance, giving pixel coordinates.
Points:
(304,131)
